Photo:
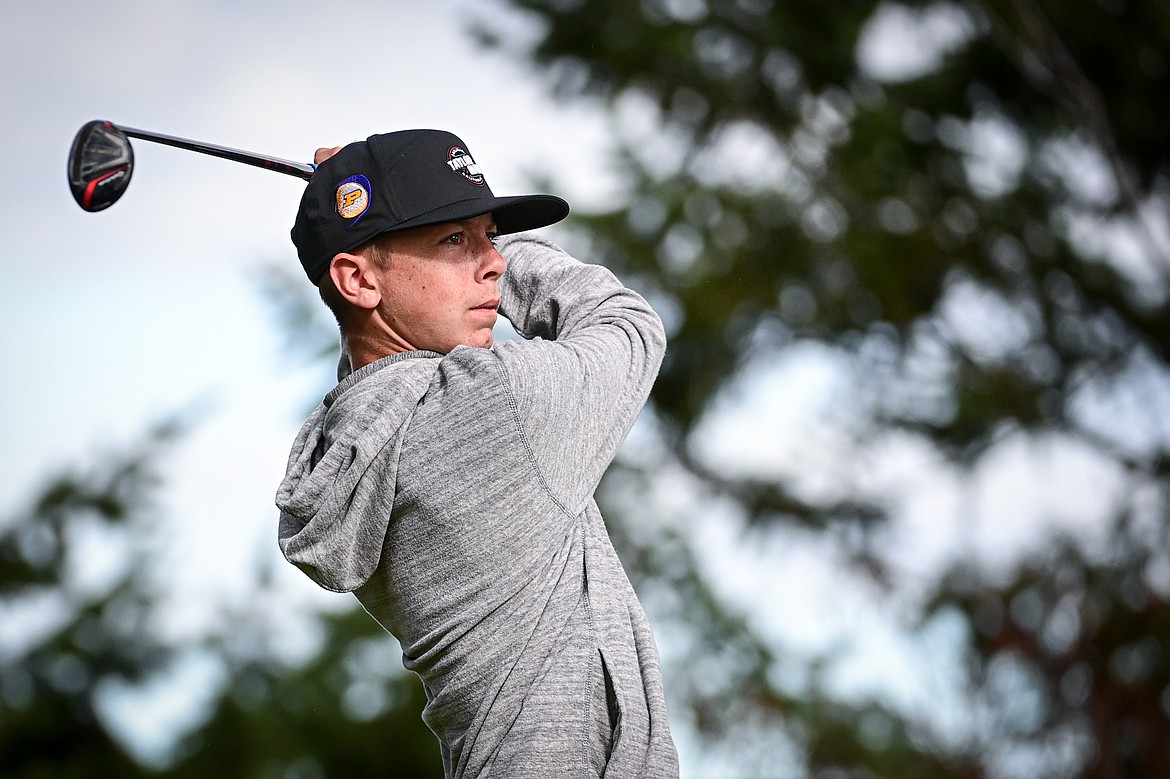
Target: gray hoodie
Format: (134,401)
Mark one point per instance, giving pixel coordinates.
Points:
(454,496)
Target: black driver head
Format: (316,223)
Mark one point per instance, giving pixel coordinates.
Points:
(100,164)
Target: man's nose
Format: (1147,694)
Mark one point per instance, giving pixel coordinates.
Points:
(492,263)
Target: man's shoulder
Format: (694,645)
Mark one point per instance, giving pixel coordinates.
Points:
(467,367)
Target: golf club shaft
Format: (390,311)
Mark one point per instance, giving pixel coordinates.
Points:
(300,169)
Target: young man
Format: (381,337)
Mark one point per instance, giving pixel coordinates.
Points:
(449,483)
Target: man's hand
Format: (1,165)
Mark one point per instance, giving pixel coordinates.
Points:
(323,154)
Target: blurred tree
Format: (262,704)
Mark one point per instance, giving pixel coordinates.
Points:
(348,711)
(64,636)
(75,630)
(965,204)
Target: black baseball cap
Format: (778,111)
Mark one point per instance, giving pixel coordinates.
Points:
(400,180)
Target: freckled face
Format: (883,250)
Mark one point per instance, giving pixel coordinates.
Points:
(440,285)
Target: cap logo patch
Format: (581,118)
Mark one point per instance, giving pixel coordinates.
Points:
(353,198)
(461,162)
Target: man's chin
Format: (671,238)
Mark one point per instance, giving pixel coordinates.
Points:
(477,341)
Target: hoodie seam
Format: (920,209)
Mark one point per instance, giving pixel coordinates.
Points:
(529,452)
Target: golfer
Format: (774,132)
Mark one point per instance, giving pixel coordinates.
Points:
(448,481)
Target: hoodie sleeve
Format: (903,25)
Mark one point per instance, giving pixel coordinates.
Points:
(592,351)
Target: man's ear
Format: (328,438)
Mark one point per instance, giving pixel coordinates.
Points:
(352,275)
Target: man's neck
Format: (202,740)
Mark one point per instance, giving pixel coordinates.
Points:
(364,349)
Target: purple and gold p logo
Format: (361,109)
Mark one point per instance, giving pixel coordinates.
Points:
(353,198)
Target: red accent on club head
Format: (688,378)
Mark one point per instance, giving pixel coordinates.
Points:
(92,186)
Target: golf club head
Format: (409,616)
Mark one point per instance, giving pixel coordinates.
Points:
(100,164)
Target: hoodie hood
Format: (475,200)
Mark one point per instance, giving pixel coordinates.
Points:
(335,508)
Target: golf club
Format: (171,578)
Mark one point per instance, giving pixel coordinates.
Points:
(101,161)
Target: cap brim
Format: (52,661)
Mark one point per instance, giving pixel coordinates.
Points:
(513,214)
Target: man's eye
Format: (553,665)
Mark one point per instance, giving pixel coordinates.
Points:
(454,238)
(494,238)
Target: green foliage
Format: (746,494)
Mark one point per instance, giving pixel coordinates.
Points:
(73,636)
(944,231)
(1084,644)
(873,220)
(347,711)
(351,712)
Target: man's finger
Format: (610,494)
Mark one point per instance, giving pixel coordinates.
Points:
(324,153)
